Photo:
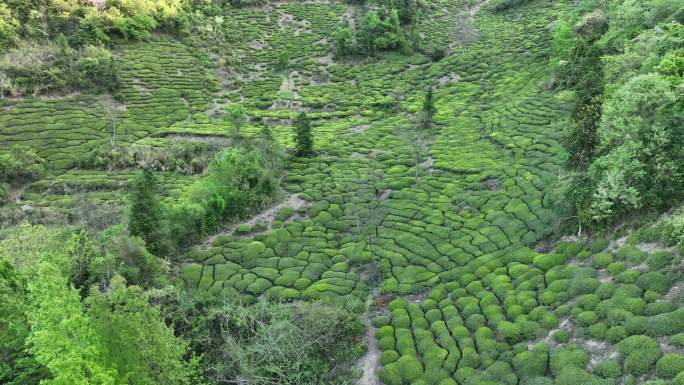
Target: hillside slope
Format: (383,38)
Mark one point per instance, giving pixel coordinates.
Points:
(436,240)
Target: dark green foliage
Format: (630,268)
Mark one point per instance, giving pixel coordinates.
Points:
(20,163)
(610,138)
(640,354)
(608,369)
(531,364)
(502,5)
(239,180)
(574,375)
(568,357)
(145,217)
(304,343)
(18,365)
(283,59)
(303,135)
(136,27)
(561,336)
(182,157)
(659,260)
(665,324)
(670,365)
(344,41)
(427,111)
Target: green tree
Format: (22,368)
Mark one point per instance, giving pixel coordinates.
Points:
(236,114)
(303,135)
(17,366)
(134,338)
(283,59)
(418,141)
(428,110)
(344,41)
(79,253)
(62,339)
(642,149)
(145,214)
(127,255)
(113,337)
(8,27)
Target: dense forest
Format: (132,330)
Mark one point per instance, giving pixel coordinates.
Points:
(395,192)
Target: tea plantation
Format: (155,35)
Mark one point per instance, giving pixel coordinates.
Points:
(447,250)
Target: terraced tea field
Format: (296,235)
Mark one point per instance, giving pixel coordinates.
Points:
(444,264)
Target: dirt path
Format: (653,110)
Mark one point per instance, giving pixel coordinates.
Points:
(267,216)
(15,195)
(370,363)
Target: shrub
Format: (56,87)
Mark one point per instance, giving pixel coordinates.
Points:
(665,324)
(599,245)
(571,356)
(615,334)
(659,307)
(475,321)
(615,268)
(529,364)
(388,357)
(547,261)
(628,276)
(597,331)
(20,163)
(608,369)
(636,343)
(561,336)
(679,379)
(655,281)
(605,290)
(601,260)
(677,340)
(670,365)
(587,318)
(641,362)
(588,301)
(572,375)
(243,228)
(410,368)
(510,331)
(397,303)
(659,260)
(640,354)
(631,254)
(390,374)
(636,325)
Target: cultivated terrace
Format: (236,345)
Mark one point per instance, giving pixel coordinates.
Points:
(371,192)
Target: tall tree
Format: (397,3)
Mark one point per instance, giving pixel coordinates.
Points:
(303,135)
(134,337)
(428,110)
(145,216)
(61,337)
(17,366)
(418,141)
(113,337)
(236,114)
(365,205)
